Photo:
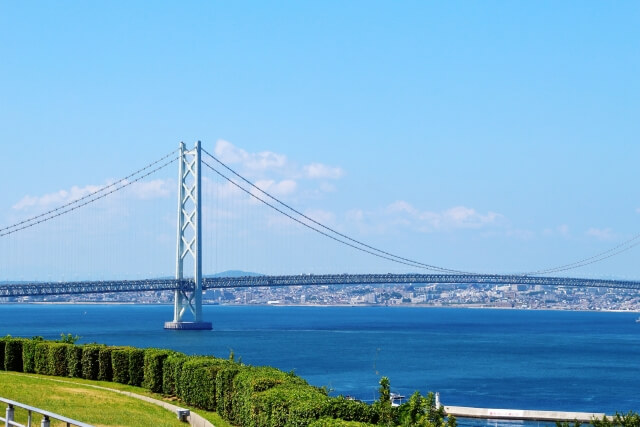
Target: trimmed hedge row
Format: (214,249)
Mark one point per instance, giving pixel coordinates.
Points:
(243,395)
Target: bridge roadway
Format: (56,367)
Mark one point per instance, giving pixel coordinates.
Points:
(91,287)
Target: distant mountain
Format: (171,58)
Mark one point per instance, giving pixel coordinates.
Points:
(234,273)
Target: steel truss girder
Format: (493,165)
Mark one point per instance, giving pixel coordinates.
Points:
(187,286)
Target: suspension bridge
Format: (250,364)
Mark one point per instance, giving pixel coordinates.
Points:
(189,282)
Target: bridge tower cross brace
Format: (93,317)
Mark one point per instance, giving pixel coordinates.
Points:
(189,240)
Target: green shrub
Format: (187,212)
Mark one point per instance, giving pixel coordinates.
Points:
(331,422)
(105,368)
(57,359)
(89,362)
(289,405)
(225,393)
(41,358)
(153,366)
(171,371)
(120,365)
(28,355)
(74,361)
(352,410)
(136,367)
(2,344)
(13,354)
(198,381)
(250,381)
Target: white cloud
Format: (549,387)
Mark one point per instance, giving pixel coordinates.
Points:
(600,233)
(157,188)
(322,216)
(257,162)
(320,171)
(54,199)
(276,188)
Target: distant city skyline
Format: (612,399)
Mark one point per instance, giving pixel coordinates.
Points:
(492,137)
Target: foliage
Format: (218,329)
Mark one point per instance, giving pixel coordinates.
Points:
(171,373)
(630,419)
(153,367)
(136,367)
(2,344)
(105,367)
(385,410)
(89,362)
(74,361)
(28,354)
(41,358)
(332,422)
(120,365)
(225,392)
(68,339)
(422,411)
(352,410)
(197,380)
(57,359)
(13,354)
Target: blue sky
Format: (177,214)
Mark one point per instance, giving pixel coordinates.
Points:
(486,136)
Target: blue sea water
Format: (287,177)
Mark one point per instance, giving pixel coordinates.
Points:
(550,360)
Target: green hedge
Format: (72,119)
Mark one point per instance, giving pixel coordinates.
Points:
(41,358)
(105,368)
(28,355)
(352,410)
(2,344)
(171,371)
(243,395)
(225,392)
(136,367)
(58,359)
(89,362)
(13,354)
(153,366)
(74,361)
(120,365)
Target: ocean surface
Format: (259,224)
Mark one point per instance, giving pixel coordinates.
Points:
(549,360)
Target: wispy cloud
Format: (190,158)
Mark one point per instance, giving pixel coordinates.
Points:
(600,233)
(321,171)
(403,214)
(154,189)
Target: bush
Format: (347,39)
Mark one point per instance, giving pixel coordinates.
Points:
(171,371)
(2,344)
(153,367)
(136,367)
(13,354)
(289,405)
(352,410)
(120,365)
(198,381)
(28,354)
(89,362)
(41,358)
(225,393)
(57,359)
(331,422)
(74,361)
(248,383)
(105,368)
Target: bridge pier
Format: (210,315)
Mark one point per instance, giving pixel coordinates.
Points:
(189,241)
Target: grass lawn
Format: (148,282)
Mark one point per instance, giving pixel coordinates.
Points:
(73,398)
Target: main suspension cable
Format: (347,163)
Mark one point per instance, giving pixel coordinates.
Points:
(100,190)
(365,248)
(62,210)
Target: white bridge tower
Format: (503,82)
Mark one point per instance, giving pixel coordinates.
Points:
(189,241)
